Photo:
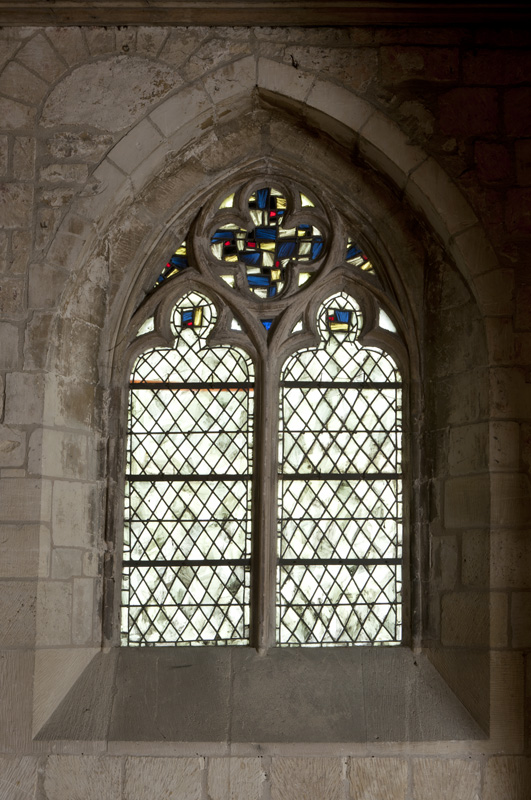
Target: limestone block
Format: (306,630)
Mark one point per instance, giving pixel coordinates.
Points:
(21,242)
(18,777)
(82,778)
(135,146)
(125,39)
(475,568)
(110,94)
(70,403)
(12,447)
(431,189)
(235,778)
(521,619)
(36,340)
(378,778)
(19,550)
(66,562)
(82,611)
(71,514)
(510,559)
(15,115)
(473,252)
(24,398)
(69,43)
(426,63)
(17,613)
(91,564)
(107,185)
(507,777)
(190,104)
(466,502)
(510,499)
(168,778)
(54,613)
(100,39)
(45,284)
(465,619)
(84,145)
(25,500)
(340,104)
(501,341)
(65,249)
(58,454)
(2,395)
(64,173)
(357,68)
(212,54)
(9,353)
(12,297)
(468,449)
(507,701)
(306,779)
(24,157)
(284,79)
(385,144)
(16,201)
(39,56)
(233,79)
(445,779)
(17,82)
(150,40)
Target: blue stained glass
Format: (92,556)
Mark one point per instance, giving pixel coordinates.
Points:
(179,261)
(258,280)
(286,249)
(262,196)
(219,235)
(269,234)
(353,251)
(266,323)
(251,258)
(187,318)
(316,248)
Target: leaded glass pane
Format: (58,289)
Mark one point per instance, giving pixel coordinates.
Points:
(186,574)
(269,248)
(340,491)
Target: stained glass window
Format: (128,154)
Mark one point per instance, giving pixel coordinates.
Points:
(339,522)
(326,436)
(188,491)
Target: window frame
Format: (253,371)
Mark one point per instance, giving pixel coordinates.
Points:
(369,294)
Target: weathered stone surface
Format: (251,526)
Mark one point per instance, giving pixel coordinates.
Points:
(64,173)
(25,500)
(82,778)
(39,56)
(84,145)
(100,39)
(54,613)
(21,84)
(71,518)
(15,115)
(109,95)
(469,112)
(19,550)
(83,611)
(235,778)
(17,613)
(69,43)
(9,352)
(66,562)
(12,447)
(412,63)
(511,559)
(445,779)
(16,200)
(466,502)
(24,157)
(520,616)
(173,778)
(18,777)
(308,778)
(24,398)
(378,778)
(16,679)
(465,619)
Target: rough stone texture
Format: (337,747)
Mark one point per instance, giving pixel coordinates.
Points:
(378,779)
(115,93)
(18,777)
(306,779)
(445,779)
(167,778)
(235,778)
(82,777)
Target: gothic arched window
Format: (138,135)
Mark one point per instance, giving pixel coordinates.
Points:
(263,500)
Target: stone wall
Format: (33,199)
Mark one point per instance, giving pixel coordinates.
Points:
(110,140)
